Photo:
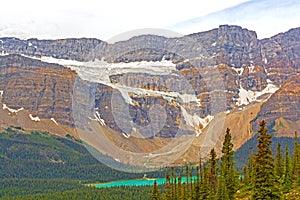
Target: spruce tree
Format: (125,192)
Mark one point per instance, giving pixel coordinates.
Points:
(212,176)
(296,159)
(222,192)
(204,189)
(227,165)
(173,183)
(155,192)
(263,167)
(250,166)
(246,175)
(287,183)
(196,192)
(167,192)
(179,188)
(187,189)
(278,162)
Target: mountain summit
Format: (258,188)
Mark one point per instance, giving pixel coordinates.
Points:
(144,91)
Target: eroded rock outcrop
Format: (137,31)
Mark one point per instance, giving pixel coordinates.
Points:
(44,89)
(217,65)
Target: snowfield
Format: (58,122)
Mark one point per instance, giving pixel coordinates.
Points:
(248,96)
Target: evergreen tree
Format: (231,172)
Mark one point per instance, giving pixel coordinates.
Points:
(167,192)
(155,192)
(287,183)
(263,167)
(246,175)
(222,192)
(227,171)
(204,189)
(278,162)
(179,188)
(250,166)
(173,183)
(196,192)
(213,181)
(187,189)
(296,159)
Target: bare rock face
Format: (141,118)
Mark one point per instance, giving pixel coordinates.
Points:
(45,90)
(73,49)
(285,103)
(215,64)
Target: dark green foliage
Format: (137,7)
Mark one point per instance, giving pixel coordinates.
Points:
(259,179)
(296,160)
(155,192)
(222,192)
(213,174)
(278,162)
(246,175)
(287,183)
(89,193)
(41,155)
(242,154)
(42,166)
(263,167)
(23,187)
(40,163)
(205,190)
(227,171)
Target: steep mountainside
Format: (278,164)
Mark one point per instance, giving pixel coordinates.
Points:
(153,87)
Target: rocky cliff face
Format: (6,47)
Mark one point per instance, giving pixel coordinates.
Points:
(76,49)
(194,78)
(43,89)
(285,103)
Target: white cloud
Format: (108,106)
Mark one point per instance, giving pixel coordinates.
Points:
(105,19)
(100,19)
(266,17)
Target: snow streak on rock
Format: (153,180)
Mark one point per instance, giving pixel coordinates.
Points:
(36,119)
(248,96)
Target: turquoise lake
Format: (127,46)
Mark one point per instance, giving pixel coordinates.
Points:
(134,182)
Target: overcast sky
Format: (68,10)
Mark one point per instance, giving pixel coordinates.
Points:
(105,19)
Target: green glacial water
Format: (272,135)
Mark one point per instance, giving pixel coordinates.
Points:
(135,182)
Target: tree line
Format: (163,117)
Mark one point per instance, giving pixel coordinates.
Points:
(265,176)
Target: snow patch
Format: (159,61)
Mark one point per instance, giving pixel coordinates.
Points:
(188,98)
(248,96)
(29,44)
(265,60)
(99,70)
(195,121)
(125,135)
(266,71)
(239,71)
(168,98)
(251,68)
(3,53)
(36,119)
(5,107)
(125,95)
(104,69)
(1,93)
(52,119)
(63,62)
(99,119)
